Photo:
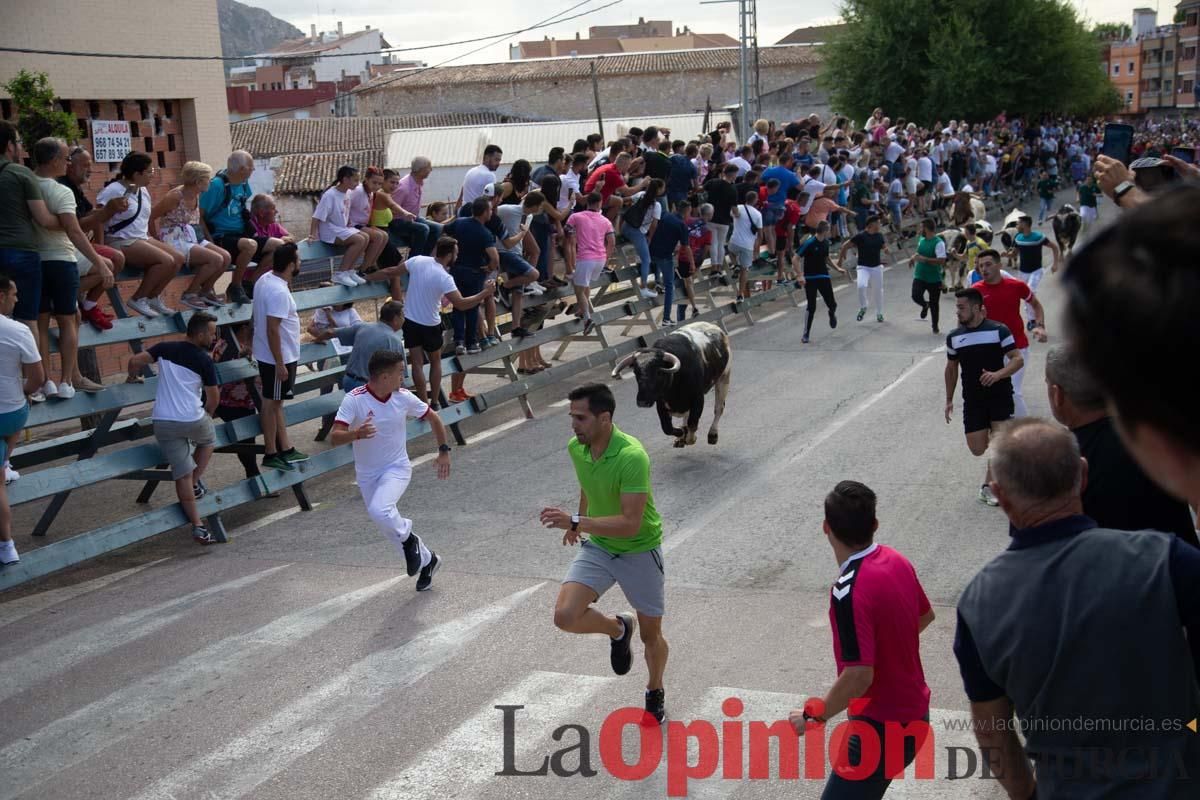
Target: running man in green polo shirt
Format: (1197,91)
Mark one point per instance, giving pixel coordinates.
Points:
(623,546)
(928,266)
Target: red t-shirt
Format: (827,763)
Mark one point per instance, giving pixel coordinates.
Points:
(613,180)
(791,216)
(874,609)
(1003,304)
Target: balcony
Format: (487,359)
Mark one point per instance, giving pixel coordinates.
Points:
(1154,99)
(1189,33)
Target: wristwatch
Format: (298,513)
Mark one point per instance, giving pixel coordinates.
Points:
(1123,188)
(575,523)
(444,448)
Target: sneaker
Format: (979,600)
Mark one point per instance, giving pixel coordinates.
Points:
(695,312)
(158,305)
(473,349)
(8,554)
(49,389)
(65,391)
(739,299)
(200,535)
(460,349)
(832,320)
(986,497)
(656,705)
(588,324)
(142,306)
(88,385)
(37,397)
(647,294)
(658,289)
(344,279)
(212,299)
(293,456)
(96,318)
(412,553)
(879,317)
(1030,325)
(620,654)
(276,461)
(862,312)
(666,323)
(426,579)
(237,294)
(491,341)
(10,475)
(936,331)
(536,288)
(518,333)
(924,311)
(195,301)
(804,339)
(359,280)
(199,489)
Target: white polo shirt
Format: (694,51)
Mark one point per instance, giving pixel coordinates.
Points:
(388,448)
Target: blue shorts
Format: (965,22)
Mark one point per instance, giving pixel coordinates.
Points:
(772,214)
(514,266)
(24,267)
(60,288)
(10,423)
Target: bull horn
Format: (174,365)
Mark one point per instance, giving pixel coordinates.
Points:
(624,364)
(673,362)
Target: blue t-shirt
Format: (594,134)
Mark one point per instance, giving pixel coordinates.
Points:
(787,179)
(225,219)
(683,173)
(473,241)
(804,161)
(668,236)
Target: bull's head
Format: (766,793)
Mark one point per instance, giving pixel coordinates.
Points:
(654,370)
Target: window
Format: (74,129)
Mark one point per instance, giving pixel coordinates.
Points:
(1189,53)
(1116,69)
(162,160)
(1167,86)
(1191,19)
(1130,67)
(1129,98)
(1186,87)
(171,142)
(1168,56)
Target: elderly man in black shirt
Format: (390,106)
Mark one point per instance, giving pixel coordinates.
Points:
(1118,494)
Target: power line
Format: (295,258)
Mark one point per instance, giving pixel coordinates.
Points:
(86,54)
(405,75)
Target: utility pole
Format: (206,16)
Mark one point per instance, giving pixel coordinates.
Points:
(596,95)
(748,38)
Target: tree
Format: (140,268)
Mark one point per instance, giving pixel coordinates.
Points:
(942,59)
(1112,31)
(39,115)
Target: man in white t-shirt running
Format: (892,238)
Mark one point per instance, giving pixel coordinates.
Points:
(375,418)
(429,280)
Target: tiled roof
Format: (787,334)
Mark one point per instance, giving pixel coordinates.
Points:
(715,40)
(819,33)
(673,61)
(275,137)
(313,173)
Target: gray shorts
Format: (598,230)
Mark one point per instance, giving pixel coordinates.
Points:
(175,439)
(640,576)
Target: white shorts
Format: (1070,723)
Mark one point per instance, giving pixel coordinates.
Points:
(587,271)
(341,235)
(1087,213)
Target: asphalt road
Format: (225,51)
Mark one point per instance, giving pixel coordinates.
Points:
(298,662)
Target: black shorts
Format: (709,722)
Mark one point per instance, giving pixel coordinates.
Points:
(272,388)
(229,243)
(923,187)
(981,413)
(427,337)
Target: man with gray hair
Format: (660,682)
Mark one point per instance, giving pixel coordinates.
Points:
(421,234)
(226,210)
(1081,631)
(1118,494)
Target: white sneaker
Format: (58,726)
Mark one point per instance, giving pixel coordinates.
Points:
(648,294)
(344,279)
(49,389)
(359,279)
(37,397)
(194,301)
(533,290)
(158,305)
(8,553)
(65,391)
(10,474)
(538,288)
(142,306)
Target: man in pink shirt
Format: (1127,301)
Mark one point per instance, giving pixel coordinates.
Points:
(822,206)
(419,234)
(594,243)
(877,610)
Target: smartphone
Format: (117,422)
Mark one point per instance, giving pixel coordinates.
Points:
(1186,154)
(1118,141)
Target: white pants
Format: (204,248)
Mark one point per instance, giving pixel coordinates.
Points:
(719,234)
(1087,215)
(381,493)
(1018,379)
(1034,279)
(870,277)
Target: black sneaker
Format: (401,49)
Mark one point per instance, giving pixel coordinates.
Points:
(518,333)
(656,705)
(832,320)
(924,311)
(588,324)
(412,554)
(621,652)
(237,294)
(199,490)
(426,579)
(200,535)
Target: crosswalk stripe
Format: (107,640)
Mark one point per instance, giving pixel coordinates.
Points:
(242,763)
(551,699)
(66,741)
(59,655)
(15,610)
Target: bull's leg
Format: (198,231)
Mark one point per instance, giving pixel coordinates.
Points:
(721,390)
(668,424)
(693,420)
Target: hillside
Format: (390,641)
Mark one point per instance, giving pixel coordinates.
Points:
(245,29)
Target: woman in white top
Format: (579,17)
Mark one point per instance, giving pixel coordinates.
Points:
(174,220)
(331,225)
(129,231)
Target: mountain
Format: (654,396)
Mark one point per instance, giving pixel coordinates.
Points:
(245,29)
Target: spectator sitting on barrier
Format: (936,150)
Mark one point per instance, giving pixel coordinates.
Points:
(365,339)
(277,350)
(224,206)
(264,219)
(407,226)
(129,231)
(477,257)
(60,252)
(339,315)
(21,374)
(173,218)
(331,225)
(438,212)
(371,206)
(182,419)
(520,274)
(93,280)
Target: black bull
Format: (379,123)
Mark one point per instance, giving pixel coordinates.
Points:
(676,373)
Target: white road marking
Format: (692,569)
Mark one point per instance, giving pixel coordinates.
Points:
(274,516)
(22,607)
(467,758)
(55,657)
(303,725)
(69,740)
(499,429)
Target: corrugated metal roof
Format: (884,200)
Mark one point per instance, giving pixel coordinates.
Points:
(463,146)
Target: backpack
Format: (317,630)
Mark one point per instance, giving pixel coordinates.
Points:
(247,227)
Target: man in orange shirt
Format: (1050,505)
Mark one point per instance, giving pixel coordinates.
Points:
(822,207)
